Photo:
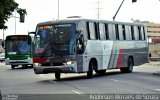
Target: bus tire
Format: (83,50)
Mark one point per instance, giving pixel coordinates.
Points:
(129,67)
(24,66)
(13,66)
(31,65)
(58,75)
(90,70)
(100,71)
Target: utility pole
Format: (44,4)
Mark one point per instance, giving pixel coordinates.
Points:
(15,21)
(58,9)
(98,9)
(3,34)
(5,27)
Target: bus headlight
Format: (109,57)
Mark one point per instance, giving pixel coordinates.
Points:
(69,62)
(36,64)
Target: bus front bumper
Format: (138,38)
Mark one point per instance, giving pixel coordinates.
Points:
(19,62)
(52,69)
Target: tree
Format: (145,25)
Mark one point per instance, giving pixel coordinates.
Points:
(6,9)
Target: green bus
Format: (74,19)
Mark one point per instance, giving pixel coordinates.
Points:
(18,51)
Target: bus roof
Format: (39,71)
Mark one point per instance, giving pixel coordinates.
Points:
(75,20)
(17,35)
(7,37)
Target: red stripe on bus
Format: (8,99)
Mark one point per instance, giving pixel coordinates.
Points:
(39,60)
(120,58)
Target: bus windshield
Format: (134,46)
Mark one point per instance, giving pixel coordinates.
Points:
(54,40)
(18,47)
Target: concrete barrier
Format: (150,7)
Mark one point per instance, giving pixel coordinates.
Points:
(154,58)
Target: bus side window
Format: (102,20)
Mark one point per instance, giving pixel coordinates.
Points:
(144,33)
(102,31)
(114,31)
(128,32)
(96,30)
(117,31)
(120,32)
(124,32)
(132,33)
(92,31)
(110,31)
(136,33)
(139,31)
(88,30)
(107,33)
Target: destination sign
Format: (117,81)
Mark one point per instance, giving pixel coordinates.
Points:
(46,27)
(18,37)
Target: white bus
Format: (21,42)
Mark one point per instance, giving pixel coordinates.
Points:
(86,45)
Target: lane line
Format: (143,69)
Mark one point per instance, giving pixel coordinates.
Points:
(53,82)
(114,80)
(48,77)
(76,92)
(41,75)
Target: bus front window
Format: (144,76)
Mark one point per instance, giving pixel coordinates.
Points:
(18,47)
(54,40)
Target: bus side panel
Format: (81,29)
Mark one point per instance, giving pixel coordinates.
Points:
(122,50)
(141,52)
(93,50)
(100,50)
(80,60)
(117,55)
(113,58)
(107,52)
(140,57)
(135,49)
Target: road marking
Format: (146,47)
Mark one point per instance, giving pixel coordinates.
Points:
(41,75)
(157,90)
(53,82)
(76,92)
(114,80)
(48,77)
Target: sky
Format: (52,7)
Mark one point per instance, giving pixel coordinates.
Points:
(45,10)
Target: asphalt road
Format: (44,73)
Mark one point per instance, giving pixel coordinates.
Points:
(24,81)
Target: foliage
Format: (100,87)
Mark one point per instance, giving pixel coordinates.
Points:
(6,9)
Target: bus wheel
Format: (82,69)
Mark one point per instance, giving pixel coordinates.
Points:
(100,71)
(90,71)
(58,75)
(13,66)
(31,65)
(129,67)
(24,66)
